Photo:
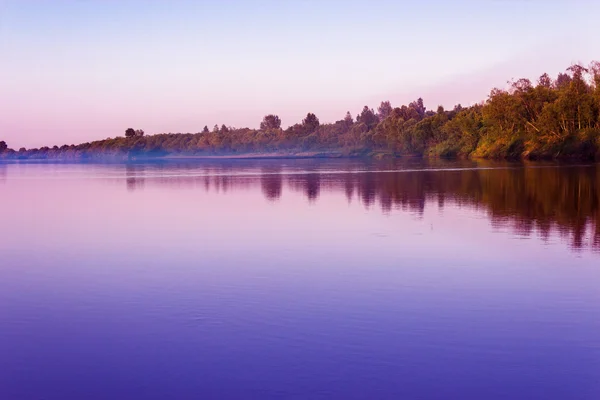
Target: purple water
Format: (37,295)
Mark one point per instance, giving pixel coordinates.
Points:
(299,280)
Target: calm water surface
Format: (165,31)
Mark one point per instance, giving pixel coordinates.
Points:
(299,280)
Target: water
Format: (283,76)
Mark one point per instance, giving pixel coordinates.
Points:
(299,280)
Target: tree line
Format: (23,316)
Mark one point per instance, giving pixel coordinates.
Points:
(550,118)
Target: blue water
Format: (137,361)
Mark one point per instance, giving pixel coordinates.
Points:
(299,280)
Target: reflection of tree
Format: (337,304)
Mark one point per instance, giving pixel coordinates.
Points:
(2,173)
(312,186)
(309,184)
(366,188)
(348,187)
(271,184)
(527,200)
(544,201)
(134,176)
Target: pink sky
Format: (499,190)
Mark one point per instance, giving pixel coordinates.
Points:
(84,71)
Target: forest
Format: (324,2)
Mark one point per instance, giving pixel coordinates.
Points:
(552,118)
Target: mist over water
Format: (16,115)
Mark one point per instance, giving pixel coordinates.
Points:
(300,279)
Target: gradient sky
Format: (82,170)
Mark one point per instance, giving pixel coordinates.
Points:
(74,71)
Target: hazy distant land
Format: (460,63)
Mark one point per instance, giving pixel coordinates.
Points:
(548,119)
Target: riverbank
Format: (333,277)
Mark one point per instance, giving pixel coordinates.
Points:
(112,157)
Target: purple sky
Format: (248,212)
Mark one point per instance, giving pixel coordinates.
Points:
(74,71)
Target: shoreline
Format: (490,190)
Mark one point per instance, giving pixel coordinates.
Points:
(112,159)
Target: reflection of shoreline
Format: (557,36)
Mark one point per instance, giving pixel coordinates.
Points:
(271,183)
(528,200)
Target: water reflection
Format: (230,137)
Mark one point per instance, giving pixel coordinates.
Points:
(526,199)
(270,280)
(271,183)
(135,176)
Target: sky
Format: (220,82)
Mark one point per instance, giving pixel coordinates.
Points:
(76,71)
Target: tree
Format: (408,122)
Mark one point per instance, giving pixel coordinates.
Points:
(3,146)
(579,99)
(130,132)
(562,81)
(224,129)
(367,117)
(384,110)
(407,113)
(418,107)
(205,130)
(310,123)
(216,128)
(348,118)
(545,81)
(270,121)
(139,133)
(595,72)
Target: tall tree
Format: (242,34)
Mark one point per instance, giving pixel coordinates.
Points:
(310,123)
(562,81)
(419,107)
(348,118)
(367,117)
(595,72)
(205,130)
(384,110)
(580,94)
(545,81)
(269,122)
(3,146)
(129,132)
